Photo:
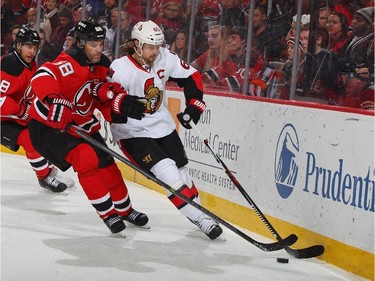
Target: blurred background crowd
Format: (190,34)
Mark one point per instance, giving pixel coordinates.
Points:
(320,51)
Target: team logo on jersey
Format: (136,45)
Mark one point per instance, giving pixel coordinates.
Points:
(286,168)
(147,159)
(83,100)
(153,95)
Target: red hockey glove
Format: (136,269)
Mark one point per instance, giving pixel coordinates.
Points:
(124,105)
(60,112)
(23,112)
(105,91)
(192,111)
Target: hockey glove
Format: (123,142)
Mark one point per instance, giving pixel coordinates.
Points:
(60,112)
(124,106)
(23,112)
(105,91)
(192,111)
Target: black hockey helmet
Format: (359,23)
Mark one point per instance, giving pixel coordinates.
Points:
(27,36)
(88,30)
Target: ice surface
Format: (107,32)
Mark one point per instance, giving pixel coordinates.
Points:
(48,237)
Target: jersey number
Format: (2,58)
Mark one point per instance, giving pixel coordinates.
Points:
(4,86)
(66,69)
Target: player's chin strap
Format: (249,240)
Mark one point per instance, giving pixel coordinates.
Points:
(309,252)
(140,56)
(281,244)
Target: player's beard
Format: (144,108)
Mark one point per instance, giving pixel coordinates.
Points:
(150,60)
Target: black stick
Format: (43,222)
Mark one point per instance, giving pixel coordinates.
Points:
(280,244)
(312,251)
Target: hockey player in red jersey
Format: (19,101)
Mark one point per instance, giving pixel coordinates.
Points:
(17,69)
(68,91)
(153,142)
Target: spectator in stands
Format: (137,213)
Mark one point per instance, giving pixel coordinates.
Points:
(105,13)
(357,62)
(232,14)
(7,18)
(324,67)
(338,28)
(50,18)
(274,81)
(78,15)
(110,34)
(210,10)
(69,40)
(324,13)
(269,38)
(66,23)
(236,46)
(47,51)
(305,21)
(135,8)
(180,45)
(74,5)
(170,21)
(31,18)
(216,53)
(126,27)
(10,39)
(206,15)
(286,70)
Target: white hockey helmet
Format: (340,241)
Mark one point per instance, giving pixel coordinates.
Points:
(148,32)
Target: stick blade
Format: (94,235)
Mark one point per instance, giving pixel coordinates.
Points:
(279,245)
(310,252)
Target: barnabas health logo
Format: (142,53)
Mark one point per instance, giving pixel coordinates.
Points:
(285,166)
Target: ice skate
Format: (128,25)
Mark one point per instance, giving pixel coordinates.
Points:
(208,226)
(53,185)
(115,224)
(137,218)
(68,181)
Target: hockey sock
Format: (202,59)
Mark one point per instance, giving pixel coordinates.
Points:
(85,162)
(188,181)
(167,171)
(117,189)
(37,162)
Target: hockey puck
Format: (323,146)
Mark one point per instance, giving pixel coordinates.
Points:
(282,260)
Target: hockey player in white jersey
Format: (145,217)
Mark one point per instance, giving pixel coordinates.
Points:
(153,142)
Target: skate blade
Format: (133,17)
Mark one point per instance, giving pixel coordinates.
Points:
(46,190)
(120,234)
(219,239)
(69,182)
(146,226)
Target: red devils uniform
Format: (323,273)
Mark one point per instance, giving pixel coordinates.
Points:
(14,102)
(72,78)
(15,79)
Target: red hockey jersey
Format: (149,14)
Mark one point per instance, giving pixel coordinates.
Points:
(72,77)
(14,87)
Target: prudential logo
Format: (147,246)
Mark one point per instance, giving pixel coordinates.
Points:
(286,168)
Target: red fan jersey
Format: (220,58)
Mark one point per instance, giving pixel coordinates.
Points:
(14,87)
(72,77)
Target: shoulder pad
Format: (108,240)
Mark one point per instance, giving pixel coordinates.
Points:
(78,55)
(11,65)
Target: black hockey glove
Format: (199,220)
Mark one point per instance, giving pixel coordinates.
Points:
(124,106)
(192,111)
(23,112)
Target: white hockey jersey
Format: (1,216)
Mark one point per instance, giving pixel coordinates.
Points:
(150,84)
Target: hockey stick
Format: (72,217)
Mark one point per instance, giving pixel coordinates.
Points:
(309,252)
(280,244)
